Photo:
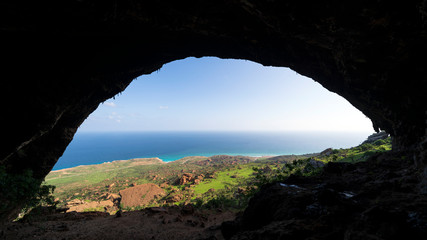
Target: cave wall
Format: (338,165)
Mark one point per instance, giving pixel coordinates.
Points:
(61,60)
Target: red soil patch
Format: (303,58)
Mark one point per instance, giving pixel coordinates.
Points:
(141,194)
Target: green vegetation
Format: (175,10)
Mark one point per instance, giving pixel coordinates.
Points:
(96,209)
(226,178)
(24,189)
(206,182)
(360,153)
(307,166)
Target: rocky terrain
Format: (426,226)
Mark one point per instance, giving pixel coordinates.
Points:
(365,192)
(144,182)
(367,200)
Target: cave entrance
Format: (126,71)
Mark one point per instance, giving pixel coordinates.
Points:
(217,95)
(196,114)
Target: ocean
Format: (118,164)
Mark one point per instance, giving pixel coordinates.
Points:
(94,148)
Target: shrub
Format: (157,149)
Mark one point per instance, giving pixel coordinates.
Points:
(382,148)
(296,167)
(220,201)
(379,142)
(366,147)
(25,190)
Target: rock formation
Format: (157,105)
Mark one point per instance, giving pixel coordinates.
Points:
(376,136)
(80,205)
(61,60)
(185,178)
(368,200)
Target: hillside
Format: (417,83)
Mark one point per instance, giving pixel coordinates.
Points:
(98,183)
(223,180)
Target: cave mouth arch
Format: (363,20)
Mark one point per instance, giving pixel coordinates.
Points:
(223,95)
(112,66)
(62,60)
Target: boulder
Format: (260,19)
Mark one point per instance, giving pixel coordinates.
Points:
(75,202)
(316,163)
(187,209)
(174,198)
(80,206)
(185,178)
(326,152)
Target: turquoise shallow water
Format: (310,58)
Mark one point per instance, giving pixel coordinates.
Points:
(94,148)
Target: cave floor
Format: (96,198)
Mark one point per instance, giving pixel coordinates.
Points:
(152,223)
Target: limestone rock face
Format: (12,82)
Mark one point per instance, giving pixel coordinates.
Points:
(376,136)
(61,60)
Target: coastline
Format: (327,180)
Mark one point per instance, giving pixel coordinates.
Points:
(89,149)
(144,161)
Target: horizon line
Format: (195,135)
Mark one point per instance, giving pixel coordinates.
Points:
(237,131)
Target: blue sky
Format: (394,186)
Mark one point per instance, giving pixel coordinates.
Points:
(212,94)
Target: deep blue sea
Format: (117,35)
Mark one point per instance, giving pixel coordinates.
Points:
(94,148)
